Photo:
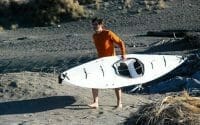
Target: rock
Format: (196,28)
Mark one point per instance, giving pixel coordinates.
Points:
(13,84)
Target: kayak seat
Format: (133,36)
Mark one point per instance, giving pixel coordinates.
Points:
(123,69)
(138,67)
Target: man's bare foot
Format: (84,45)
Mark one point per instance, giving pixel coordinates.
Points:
(119,106)
(94,105)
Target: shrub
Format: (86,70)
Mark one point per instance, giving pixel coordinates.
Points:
(41,12)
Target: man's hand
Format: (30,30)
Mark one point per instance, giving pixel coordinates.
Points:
(123,57)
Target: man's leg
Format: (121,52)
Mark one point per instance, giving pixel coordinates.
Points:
(95,103)
(118,93)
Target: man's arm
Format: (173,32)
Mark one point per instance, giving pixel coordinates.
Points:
(119,42)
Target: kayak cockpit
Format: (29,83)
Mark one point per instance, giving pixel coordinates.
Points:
(130,67)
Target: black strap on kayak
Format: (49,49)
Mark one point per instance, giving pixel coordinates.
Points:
(85,73)
(165,61)
(152,65)
(102,70)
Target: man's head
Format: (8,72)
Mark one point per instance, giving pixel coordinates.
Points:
(97,24)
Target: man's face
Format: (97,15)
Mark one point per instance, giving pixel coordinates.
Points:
(96,26)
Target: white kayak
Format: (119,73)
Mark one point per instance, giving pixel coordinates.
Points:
(113,72)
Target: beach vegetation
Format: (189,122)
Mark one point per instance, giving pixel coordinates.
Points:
(172,110)
(51,12)
(40,12)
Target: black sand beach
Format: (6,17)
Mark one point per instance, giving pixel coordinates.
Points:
(32,57)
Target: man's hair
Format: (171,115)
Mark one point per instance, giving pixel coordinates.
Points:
(98,20)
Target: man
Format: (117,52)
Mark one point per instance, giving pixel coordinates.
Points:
(105,41)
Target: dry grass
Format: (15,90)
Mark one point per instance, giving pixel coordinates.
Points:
(50,12)
(41,12)
(154,4)
(128,4)
(97,4)
(161,4)
(172,110)
(146,5)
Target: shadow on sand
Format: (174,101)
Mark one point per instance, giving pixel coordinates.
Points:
(35,105)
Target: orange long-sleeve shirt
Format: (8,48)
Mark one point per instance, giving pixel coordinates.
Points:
(104,42)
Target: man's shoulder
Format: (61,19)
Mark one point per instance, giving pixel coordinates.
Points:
(108,32)
(104,32)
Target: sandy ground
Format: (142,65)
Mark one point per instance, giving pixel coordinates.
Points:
(36,98)
(31,58)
